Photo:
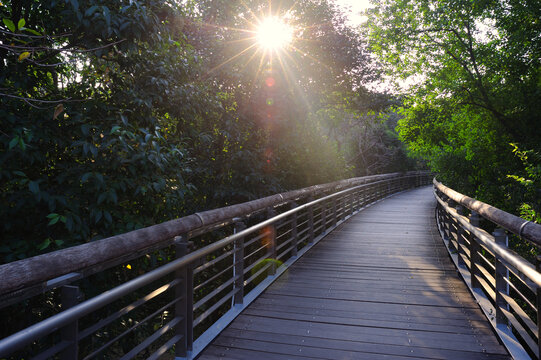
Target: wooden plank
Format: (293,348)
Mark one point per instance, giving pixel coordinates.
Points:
(380,296)
(355,284)
(234,337)
(376,307)
(378,335)
(404,324)
(287,350)
(283,310)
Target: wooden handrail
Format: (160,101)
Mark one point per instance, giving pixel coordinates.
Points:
(102,254)
(527,230)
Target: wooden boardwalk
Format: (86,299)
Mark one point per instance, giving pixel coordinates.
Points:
(381,286)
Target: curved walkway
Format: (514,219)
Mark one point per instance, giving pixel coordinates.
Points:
(381,286)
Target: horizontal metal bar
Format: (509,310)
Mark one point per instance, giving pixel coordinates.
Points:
(286,233)
(163,349)
(284,244)
(519,293)
(488,241)
(521,314)
(255,239)
(149,340)
(214,277)
(282,224)
(523,333)
(255,263)
(256,274)
(213,293)
(213,308)
(282,254)
(53,350)
(262,247)
(129,330)
(212,262)
(117,314)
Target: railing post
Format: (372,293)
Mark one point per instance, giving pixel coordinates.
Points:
(538,305)
(310,221)
(323,217)
(460,238)
(334,211)
(351,202)
(70,296)
(474,252)
(238,263)
(272,242)
(501,275)
(294,232)
(450,224)
(184,307)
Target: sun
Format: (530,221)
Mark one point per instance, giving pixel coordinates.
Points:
(274,34)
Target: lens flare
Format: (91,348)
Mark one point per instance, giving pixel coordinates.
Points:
(273,34)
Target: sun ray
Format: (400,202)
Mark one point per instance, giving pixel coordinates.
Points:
(311,57)
(231,59)
(293,84)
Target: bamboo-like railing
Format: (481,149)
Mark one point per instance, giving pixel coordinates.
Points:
(181,304)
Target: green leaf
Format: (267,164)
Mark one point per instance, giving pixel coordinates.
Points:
(52,216)
(20,24)
(13,142)
(33,186)
(114,129)
(75,5)
(45,244)
(85,177)
(10,25)
(102,198)
(54,220)
(91,10)
(32,31)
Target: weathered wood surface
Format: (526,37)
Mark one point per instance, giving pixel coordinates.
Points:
(379,287)
(527,230)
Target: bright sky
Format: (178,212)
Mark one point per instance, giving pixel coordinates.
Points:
(356,6)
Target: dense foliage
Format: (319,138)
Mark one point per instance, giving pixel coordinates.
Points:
(473,112)
(120,114)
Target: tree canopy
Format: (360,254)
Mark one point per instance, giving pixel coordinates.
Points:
(473,111)
(120,114)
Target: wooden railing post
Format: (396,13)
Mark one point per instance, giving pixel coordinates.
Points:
(460,238)
(70,296)
(501,276)
(272,242)
(184,307)
(238,263)
(474,252)
(294,231)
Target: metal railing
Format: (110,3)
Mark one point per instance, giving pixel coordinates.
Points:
(184,295)
(507,286)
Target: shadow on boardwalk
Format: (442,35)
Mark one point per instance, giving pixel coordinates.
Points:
(380,286)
